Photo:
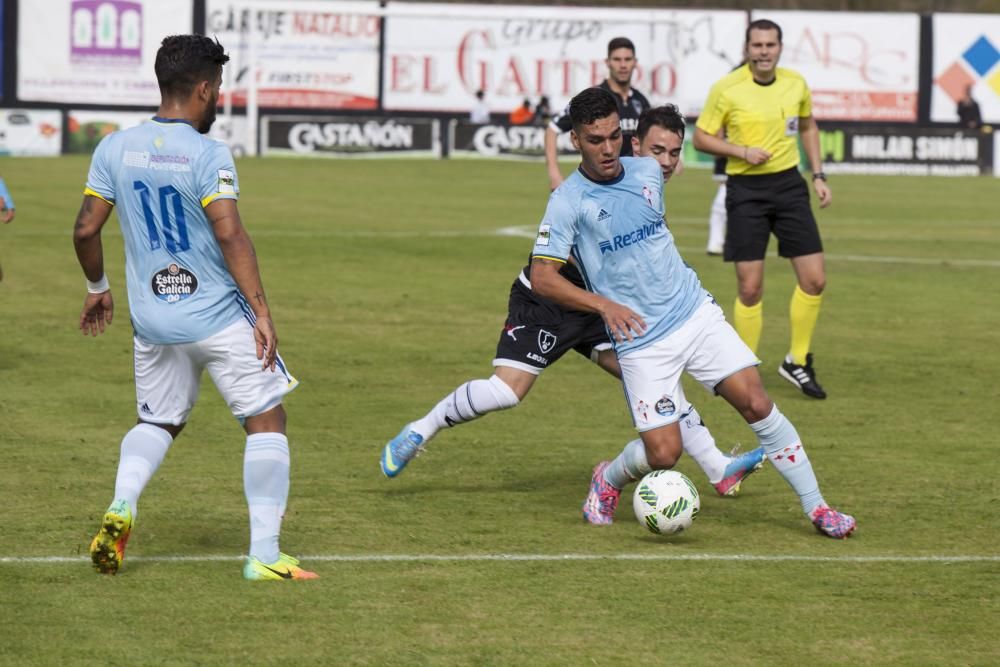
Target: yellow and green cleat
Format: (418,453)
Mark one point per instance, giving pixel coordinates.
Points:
(107,551)
(286,567)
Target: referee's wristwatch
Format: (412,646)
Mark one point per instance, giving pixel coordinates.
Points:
(819,175)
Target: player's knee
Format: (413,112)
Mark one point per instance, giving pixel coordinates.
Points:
(755,406)
(662,452)
(813,285)
(507,397)
(662,459)
(173,430)
(750,294)
(273,420)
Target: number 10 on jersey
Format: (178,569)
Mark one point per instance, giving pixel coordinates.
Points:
(172,222)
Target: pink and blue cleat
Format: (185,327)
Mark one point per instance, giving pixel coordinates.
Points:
(599,507)
(832,523)
(739,468)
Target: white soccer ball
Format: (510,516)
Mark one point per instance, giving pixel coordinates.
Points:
(666,502)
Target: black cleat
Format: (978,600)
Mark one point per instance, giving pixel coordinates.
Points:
(803,377)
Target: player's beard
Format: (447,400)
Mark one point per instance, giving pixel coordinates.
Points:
(623,80)
(210,111)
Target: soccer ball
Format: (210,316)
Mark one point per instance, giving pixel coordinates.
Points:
(666,502)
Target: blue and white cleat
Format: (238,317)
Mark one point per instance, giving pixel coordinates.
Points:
(739,468)
(400,451)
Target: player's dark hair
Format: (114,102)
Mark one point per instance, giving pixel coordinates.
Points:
(590,105)
(620,43)
(668,117)
(763,24)
(183,61)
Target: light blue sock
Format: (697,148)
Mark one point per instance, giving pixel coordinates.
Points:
(142,451)
(628,466)
(784,449)
(265,482)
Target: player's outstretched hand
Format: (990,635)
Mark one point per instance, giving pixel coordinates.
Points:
(823,192)
(623,322)
(97,312)
(267,342)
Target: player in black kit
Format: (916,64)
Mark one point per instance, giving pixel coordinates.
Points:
(631,103)
(538,332)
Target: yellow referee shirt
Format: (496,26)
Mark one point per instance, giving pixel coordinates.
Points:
(766,116)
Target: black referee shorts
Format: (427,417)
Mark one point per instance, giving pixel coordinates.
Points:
(759,205)
(538,332)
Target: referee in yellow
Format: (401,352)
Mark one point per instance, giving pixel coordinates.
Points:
(764,109)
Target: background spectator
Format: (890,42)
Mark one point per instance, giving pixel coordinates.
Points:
(480,113)
(523,114)
(968,111)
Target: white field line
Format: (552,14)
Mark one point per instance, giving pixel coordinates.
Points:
(534,558)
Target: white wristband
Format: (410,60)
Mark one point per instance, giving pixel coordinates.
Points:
(100,286)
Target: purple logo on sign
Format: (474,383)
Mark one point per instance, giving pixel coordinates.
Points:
(106,31)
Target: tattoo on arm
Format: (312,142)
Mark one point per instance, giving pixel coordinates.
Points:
(260,297)
(85,208)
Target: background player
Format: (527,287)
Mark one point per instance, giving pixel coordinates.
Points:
(539,332)
(609,216)
(621,63)
(763,109)
(189,266)
(6,209)
(717,214)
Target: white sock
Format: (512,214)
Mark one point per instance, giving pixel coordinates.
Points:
(717,219)
(265,483)
(142,452)
(469,401)
(700,445)
(628,466)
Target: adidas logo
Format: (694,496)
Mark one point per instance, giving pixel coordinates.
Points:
(145,409)
(603,215)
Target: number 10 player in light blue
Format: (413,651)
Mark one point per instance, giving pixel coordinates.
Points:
(195,296)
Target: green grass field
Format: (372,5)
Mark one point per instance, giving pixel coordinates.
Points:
(389,283)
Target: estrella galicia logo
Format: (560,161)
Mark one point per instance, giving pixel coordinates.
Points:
(634,237)
(665,407)
(174,283)
(546,341)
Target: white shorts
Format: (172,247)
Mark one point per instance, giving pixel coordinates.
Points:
(706,346)
(167,377)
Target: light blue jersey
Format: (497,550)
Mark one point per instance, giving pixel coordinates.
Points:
(616,233)
(160,176)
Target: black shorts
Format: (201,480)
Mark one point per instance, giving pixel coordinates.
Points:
(759,205)
(538,332)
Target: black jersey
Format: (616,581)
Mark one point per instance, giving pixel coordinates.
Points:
(628,113)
